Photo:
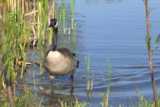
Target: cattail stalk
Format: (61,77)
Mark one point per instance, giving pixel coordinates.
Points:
(150,53)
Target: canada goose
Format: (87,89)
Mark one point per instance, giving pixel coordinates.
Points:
(59,61)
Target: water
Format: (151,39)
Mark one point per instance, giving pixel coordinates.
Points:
(107,29)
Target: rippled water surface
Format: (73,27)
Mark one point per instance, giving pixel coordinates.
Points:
(113,30)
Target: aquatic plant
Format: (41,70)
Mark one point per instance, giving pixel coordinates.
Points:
(21,99)
(73,9)
(148,40)
(77,104)
(64,15)
(16,32)
(146,103)
(73,35)
(10,50)
(42,17)
(156,43)
(88,69)
(105,98)
(92,81)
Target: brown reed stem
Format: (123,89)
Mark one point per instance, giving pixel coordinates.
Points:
(87,91)
(92,86)
(3,24)
(107,96)
(27,5)
(18,4)
(34,4)
(150,53)
(53,3)
(39,10)
(22,9)
(8,4)
(35,36)
(15,1)
(9,92)
(11,3)
(33,12)
(14,90)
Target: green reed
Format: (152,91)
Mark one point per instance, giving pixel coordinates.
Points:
(156,43)
(109,81)
(64,14)
(56,12)
(73,35)
(28,99)
(9,46)
(42,19)
(12,38)
(77,104)
(22,45)
(146,103)
(106,97)
(50,36)
(88,69)
(73,10)
(40,55)
(17,31)
(15,41)
(24,60)
(92,81)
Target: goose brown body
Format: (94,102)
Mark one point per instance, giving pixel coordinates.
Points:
(60,62)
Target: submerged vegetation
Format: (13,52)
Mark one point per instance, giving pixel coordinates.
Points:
(24,25)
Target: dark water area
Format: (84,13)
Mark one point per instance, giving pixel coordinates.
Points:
(113,30)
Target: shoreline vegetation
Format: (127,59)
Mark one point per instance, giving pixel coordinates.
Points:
(24,25)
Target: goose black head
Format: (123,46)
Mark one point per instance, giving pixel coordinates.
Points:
(53,23)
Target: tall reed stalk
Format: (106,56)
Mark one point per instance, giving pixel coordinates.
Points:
(42,17)
(73,35)
(109,81)
(88,69)
(64,15)
(8,51)
(92,82)
(73,9)
(150,53)
(106,97)
(53,9)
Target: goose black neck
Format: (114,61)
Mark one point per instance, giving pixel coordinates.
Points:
(54,39)
(55,30)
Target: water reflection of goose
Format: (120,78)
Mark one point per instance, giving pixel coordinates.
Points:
(59,61)
(54,97)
